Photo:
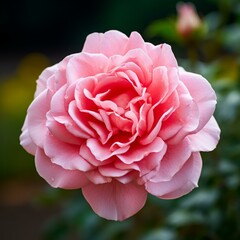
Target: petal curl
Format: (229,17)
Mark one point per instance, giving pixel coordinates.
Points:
(202,93)
(207,138)
(181,183)
(115,201)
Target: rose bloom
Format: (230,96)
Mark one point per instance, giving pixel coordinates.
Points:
(188,20)
(120,120)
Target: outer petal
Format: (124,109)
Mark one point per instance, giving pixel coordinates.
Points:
(58,79)
(44,76)
(202,93)
(25,139)
(181,183)
(115,201)
(207,138)
(108,43)
(37,118)
(136,41)
(161,55)
(57,176)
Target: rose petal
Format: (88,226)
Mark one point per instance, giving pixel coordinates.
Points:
(207,138)
(88,83)
(148,166)
(57,176)
(184,120)
(97,178)
(136,41)
(112,171)
(115,201)
(128,178)
(161,55)
(132,73)
(58,79)
(80,119)
(57,104)
(141,59)
(64,154)
(138,152)
(85,65)
(25,139)
(101,131)
(122,123)
(60,131)
(159,113)
(156,129)
(110,43)
(37,118)
(89,157)
(103,152)
(202,93)
(142,124)
(173,161)
(105,104)
(42,80)
(164,82)
(182,183)
(71,126)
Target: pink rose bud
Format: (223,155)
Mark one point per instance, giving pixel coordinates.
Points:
(120,120)
(188,20)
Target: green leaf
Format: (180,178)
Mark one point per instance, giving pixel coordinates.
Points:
(165,29)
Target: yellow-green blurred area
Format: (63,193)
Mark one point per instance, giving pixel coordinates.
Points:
(37,34)
(16,93)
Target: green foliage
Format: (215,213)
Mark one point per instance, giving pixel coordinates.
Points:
(165,29)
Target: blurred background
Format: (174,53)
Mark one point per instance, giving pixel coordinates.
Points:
(37,34)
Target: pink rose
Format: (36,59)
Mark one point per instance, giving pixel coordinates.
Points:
(188,20)
(120,120)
